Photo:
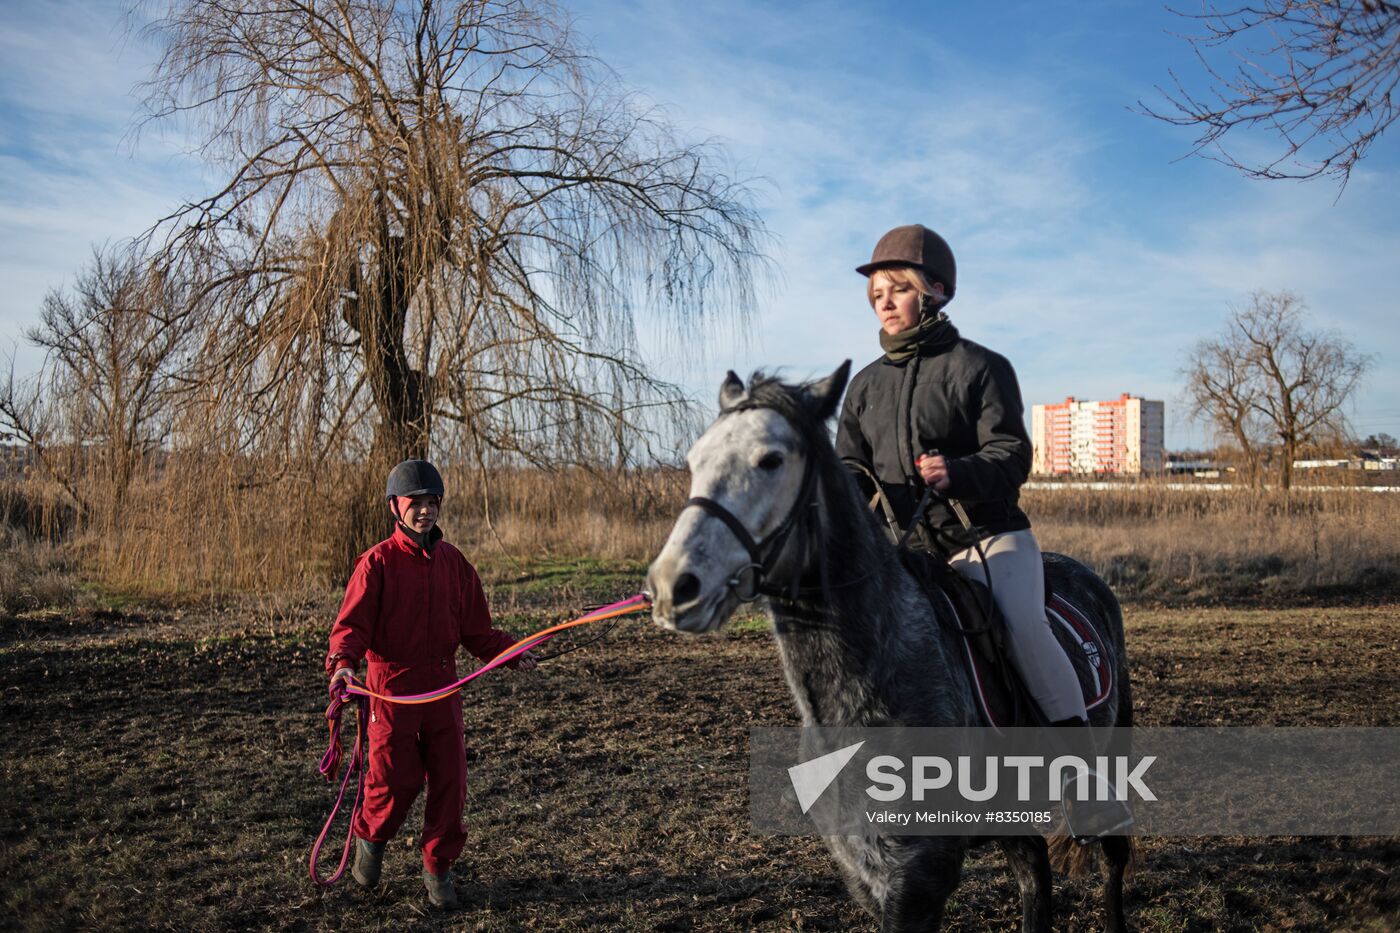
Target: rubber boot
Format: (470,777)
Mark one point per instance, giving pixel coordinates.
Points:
(369,858)
(1092,818)
(441,893)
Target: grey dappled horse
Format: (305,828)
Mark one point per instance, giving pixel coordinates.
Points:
(773,511)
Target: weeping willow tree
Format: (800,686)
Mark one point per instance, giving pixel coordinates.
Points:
(439,226)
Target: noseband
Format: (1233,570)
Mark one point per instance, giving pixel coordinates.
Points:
(749,582)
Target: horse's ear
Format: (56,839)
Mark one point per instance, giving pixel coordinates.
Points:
(823,396)
(731,392)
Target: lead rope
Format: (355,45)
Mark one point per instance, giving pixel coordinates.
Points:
(330,766)
(350,690)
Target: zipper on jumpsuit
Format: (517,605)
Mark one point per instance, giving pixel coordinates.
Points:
(373,716)
(428,557)
(445,663)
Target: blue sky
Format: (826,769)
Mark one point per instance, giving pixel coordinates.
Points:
(1090,253)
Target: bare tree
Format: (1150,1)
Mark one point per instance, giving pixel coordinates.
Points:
(28,419)
(1269,373)
(114,343)
(439,212)
(1380,440)
(1321,74)
(1221,388)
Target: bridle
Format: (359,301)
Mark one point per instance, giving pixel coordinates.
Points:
(749,582)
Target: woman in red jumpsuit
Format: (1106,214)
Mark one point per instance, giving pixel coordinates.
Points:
(411,601)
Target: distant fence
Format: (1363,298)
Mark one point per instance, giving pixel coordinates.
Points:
(1105,485)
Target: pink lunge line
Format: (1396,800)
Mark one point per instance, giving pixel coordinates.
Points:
(624,607)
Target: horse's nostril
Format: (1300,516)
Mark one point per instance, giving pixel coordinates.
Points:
(686,590)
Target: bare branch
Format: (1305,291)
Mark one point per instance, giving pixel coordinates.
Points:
(1320,75)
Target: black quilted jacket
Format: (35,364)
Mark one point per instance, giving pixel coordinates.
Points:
(957,398)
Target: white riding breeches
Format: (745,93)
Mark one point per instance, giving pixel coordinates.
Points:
(1018,586)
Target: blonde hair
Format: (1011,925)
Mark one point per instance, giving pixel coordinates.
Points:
(905,275)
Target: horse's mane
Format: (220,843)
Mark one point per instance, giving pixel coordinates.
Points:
(850,548)
(794,402)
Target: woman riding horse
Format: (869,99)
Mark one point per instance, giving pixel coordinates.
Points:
(774,513)
(937,410)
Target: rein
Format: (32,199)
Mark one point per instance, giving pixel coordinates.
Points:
(749,582)
(348,690)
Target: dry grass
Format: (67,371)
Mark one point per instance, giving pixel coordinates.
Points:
(572,513)
(201,526)
(32,574)
(206,526)
(1153,542)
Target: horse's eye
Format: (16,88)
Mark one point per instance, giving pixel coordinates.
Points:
(771,461)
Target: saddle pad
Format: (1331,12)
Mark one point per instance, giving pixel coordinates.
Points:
(1079,640)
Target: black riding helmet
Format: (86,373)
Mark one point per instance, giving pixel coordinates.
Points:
(414,478)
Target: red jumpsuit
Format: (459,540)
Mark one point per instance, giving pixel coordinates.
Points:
(406,610)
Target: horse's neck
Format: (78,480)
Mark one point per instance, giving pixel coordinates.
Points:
(882,660)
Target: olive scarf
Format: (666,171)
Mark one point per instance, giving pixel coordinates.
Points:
(932,329)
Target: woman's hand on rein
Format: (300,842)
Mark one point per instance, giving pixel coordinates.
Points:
(934,470)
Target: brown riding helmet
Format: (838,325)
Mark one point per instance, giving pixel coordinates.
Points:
(915,245)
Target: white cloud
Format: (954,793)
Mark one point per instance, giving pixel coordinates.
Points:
(1089,268)
(1091,287)
(69,176)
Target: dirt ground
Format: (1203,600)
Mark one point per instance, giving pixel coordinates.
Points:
(161,774)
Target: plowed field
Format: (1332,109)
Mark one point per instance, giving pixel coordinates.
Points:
(160,773)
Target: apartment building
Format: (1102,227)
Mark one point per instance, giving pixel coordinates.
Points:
(1123,436)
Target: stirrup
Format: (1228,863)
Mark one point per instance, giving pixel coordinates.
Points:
(1092,819)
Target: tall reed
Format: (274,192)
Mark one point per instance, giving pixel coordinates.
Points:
(210,523)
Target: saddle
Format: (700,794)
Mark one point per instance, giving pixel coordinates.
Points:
(964,607)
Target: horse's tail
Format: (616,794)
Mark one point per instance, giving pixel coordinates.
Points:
(1068,856)
(1075,861)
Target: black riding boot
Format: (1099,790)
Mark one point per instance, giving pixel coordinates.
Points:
(1088,818)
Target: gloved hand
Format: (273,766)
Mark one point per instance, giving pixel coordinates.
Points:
(342,674)
(526,661)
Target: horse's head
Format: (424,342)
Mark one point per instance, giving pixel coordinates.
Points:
(751,476)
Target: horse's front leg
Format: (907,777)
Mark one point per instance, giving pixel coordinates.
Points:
(920,886)
(1030,862)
